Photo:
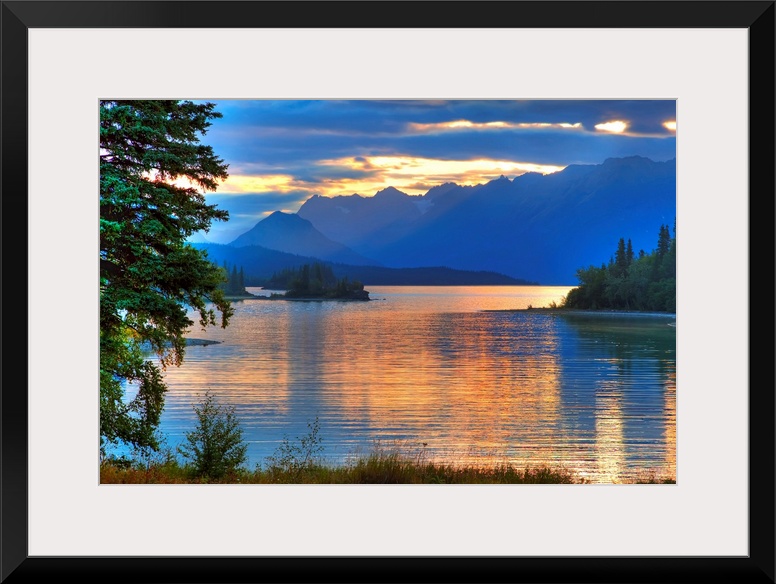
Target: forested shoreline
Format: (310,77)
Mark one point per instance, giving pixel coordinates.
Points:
(315,280)
(640,282)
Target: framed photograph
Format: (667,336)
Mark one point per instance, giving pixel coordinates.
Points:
(645,95)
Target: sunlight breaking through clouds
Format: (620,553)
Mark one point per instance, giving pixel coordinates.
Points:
(614,127)
(670,125)
(540,125)
(498,125)
(259,183)
(406,172)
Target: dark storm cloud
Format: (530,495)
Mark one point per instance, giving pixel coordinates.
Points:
(646,116)
(557,147)
(288,136)
(370,116)
(289,155)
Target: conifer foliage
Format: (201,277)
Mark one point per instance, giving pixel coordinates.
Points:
(153,175)
(628,283)
(234,281)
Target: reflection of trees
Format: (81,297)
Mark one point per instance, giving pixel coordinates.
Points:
(618,385)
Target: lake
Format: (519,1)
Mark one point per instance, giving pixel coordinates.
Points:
(446,373)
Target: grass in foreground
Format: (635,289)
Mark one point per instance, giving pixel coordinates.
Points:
(379,467)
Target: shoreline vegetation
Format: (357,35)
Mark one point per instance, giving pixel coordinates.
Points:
(629,285)
(354,295)
(378,467)
(314,282)
(310,282)
(643,282)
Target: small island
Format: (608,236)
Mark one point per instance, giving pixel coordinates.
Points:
(315,282)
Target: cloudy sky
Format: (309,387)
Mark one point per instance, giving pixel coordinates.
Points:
(281,152)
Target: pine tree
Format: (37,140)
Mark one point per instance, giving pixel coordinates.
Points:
(663,242)
(233,281)
(620,260)
(153,173)
(629,253)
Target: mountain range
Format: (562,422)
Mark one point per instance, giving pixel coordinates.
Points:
(537,228)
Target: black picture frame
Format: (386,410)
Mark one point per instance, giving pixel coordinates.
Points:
(19,16)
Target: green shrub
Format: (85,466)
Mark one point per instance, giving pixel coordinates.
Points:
(215,447)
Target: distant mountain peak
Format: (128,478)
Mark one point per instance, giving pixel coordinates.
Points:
(441,189)
(390,192)
(271,223)
(283,219)
(282,216)
(500,181)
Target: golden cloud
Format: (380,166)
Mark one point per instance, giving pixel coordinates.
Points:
(407,172)
(614,127)
(498,125)
(262,183)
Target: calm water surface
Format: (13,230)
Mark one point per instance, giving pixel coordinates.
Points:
(446,373)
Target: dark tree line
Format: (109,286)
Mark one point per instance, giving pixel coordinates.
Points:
(313,280)
(630,282)
(308,277)
(234,280)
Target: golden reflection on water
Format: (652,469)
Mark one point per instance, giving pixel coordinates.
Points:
(427,369)
(610,457)
(457,396)
(669,435)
